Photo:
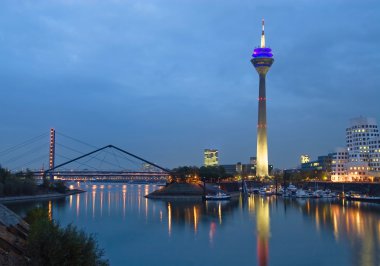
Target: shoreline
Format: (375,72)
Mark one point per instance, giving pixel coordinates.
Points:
(40,196)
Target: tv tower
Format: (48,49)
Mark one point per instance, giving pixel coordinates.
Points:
(262,60)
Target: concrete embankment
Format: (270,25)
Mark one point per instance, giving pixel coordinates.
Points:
(13,238)
(47,196)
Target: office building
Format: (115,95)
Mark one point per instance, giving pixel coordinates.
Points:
(304,158)
(211,157)
(338,165)
(363,144)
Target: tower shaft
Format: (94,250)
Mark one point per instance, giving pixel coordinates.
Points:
(262,142)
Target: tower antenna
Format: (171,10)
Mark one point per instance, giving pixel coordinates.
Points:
(262,34)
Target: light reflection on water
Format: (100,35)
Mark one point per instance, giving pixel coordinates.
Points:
(253,231)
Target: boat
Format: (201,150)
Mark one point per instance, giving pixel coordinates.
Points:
(291,188)
(361,197)
(290,191)
(267,191)
(217,196)
(255,191)
(300,193)
(287,194)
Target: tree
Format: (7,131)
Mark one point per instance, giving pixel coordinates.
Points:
(49,244)
(212,173)
(185,173)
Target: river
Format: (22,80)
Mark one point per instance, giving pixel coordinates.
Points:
(261,231)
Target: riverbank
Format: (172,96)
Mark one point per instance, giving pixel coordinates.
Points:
(47,196)
(13,238)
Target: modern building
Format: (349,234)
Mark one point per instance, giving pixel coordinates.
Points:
(304,158)
(323,163)
(211,157)
(338,165)
(262,60)
(229,168)
(363,144)
(148,167)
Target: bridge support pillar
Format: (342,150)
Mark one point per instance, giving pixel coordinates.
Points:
(52,152)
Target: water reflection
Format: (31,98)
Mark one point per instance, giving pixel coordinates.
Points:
(263,231)
(353,223)
(352,227)
(50,210)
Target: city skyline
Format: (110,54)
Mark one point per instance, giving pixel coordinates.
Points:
(117,74)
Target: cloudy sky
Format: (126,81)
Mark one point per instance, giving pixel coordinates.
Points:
(166,79)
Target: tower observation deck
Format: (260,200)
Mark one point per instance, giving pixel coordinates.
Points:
(262,60)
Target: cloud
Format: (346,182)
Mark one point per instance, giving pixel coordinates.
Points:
(180,70)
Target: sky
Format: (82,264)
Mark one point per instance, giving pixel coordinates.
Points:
(167,79)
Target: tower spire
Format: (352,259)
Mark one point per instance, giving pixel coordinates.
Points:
(262,35)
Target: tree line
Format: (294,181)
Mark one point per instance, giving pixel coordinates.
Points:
(24,184)
(204,173)
(21,183)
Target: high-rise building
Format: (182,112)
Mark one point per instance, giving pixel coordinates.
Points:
(262,60)
(338,165)
(363,147)
(323,163)
(211,157)
(304,158)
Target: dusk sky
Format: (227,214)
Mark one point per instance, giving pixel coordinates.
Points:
(167,79)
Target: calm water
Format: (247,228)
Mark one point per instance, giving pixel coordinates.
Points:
(257,231)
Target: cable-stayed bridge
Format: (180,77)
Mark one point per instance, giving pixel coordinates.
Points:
(60,156)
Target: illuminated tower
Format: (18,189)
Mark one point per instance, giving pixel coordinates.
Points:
(262,61)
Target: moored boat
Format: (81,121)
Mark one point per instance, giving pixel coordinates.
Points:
(267,191)
(300,193)
(361,197)
(218,196)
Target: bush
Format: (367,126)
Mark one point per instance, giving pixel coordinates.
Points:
(49,244)
(29,187)
(60,187)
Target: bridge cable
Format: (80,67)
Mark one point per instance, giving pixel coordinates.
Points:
(87,144)
(28,163)
(81,153)
(31,151)
(67,158)
(22,144)
(113,152)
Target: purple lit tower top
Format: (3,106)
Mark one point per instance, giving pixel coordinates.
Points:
(262,52)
